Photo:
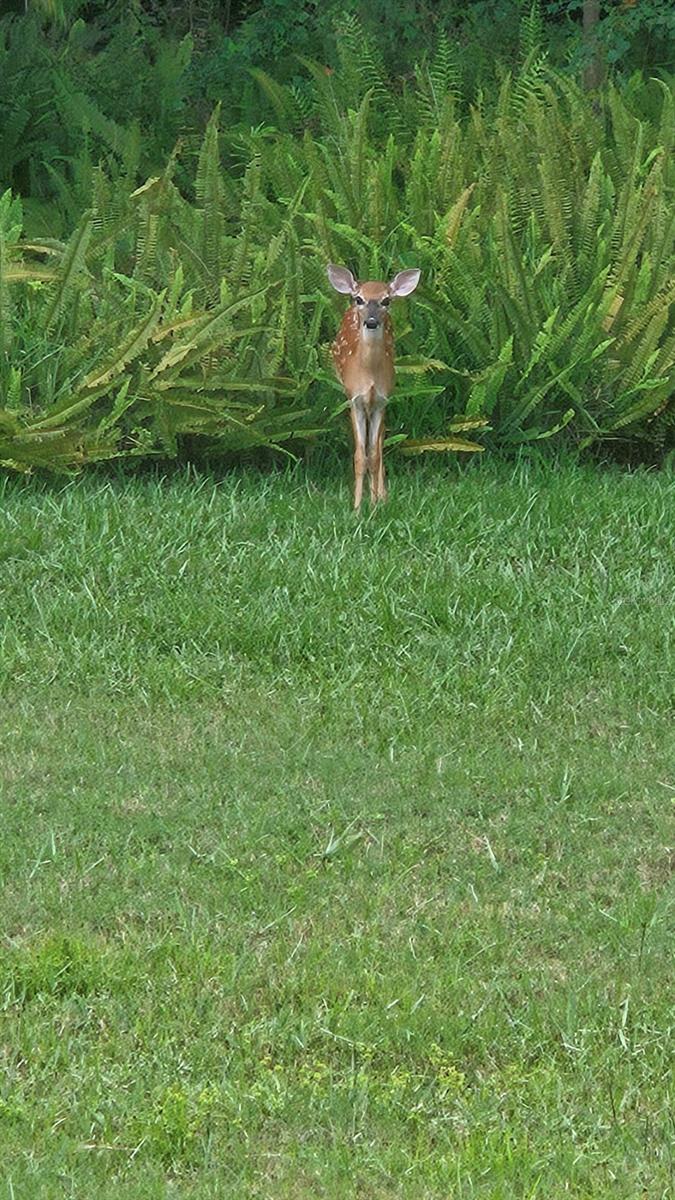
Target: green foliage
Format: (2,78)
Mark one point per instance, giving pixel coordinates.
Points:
(110,364)
(79,80)
(70,96)
(543,232)
(633,34)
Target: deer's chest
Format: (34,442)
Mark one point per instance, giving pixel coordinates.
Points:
(364,359)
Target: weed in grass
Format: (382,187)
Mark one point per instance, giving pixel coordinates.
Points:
(57,966)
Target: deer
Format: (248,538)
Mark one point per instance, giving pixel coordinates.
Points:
(363,354)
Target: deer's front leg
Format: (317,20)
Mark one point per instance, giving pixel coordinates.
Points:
(359,427)
(378,489)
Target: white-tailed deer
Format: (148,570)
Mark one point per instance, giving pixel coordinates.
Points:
(363,353)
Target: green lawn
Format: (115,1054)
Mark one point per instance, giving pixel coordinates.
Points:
(336,852)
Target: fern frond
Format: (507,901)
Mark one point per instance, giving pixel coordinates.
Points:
(71,271)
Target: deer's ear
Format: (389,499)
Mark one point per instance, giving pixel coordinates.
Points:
(342,280)
(404,283)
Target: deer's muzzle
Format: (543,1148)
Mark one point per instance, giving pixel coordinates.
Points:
(372,318)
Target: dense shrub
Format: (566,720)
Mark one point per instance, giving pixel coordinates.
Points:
(540,220)
(71,98)
(80,78)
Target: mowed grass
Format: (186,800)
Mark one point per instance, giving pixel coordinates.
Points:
(337,853)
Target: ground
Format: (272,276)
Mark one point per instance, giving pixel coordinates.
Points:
(337,851)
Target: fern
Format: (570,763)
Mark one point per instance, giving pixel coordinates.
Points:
(531,30)
(439,86)
(72,269)
(209,191)
(291,110)
(362,73)
(197,302)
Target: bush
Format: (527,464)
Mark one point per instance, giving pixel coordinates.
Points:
(541,224)
(69,98)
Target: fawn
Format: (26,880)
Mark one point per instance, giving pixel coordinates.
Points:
(363,353)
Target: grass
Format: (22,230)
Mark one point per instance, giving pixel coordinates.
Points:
(336,853)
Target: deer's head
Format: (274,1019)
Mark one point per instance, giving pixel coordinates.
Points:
(372,298)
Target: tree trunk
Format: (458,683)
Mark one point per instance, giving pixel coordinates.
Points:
(594,69)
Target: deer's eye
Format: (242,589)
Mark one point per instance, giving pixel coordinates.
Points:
(359,299)
(385,302)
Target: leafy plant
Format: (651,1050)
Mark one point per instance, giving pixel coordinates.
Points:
(100,361)
(544,236)
(196,305)
(72,96)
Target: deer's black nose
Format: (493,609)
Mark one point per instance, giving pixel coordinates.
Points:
(371,323)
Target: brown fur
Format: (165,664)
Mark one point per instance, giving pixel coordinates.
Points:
(365,368)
